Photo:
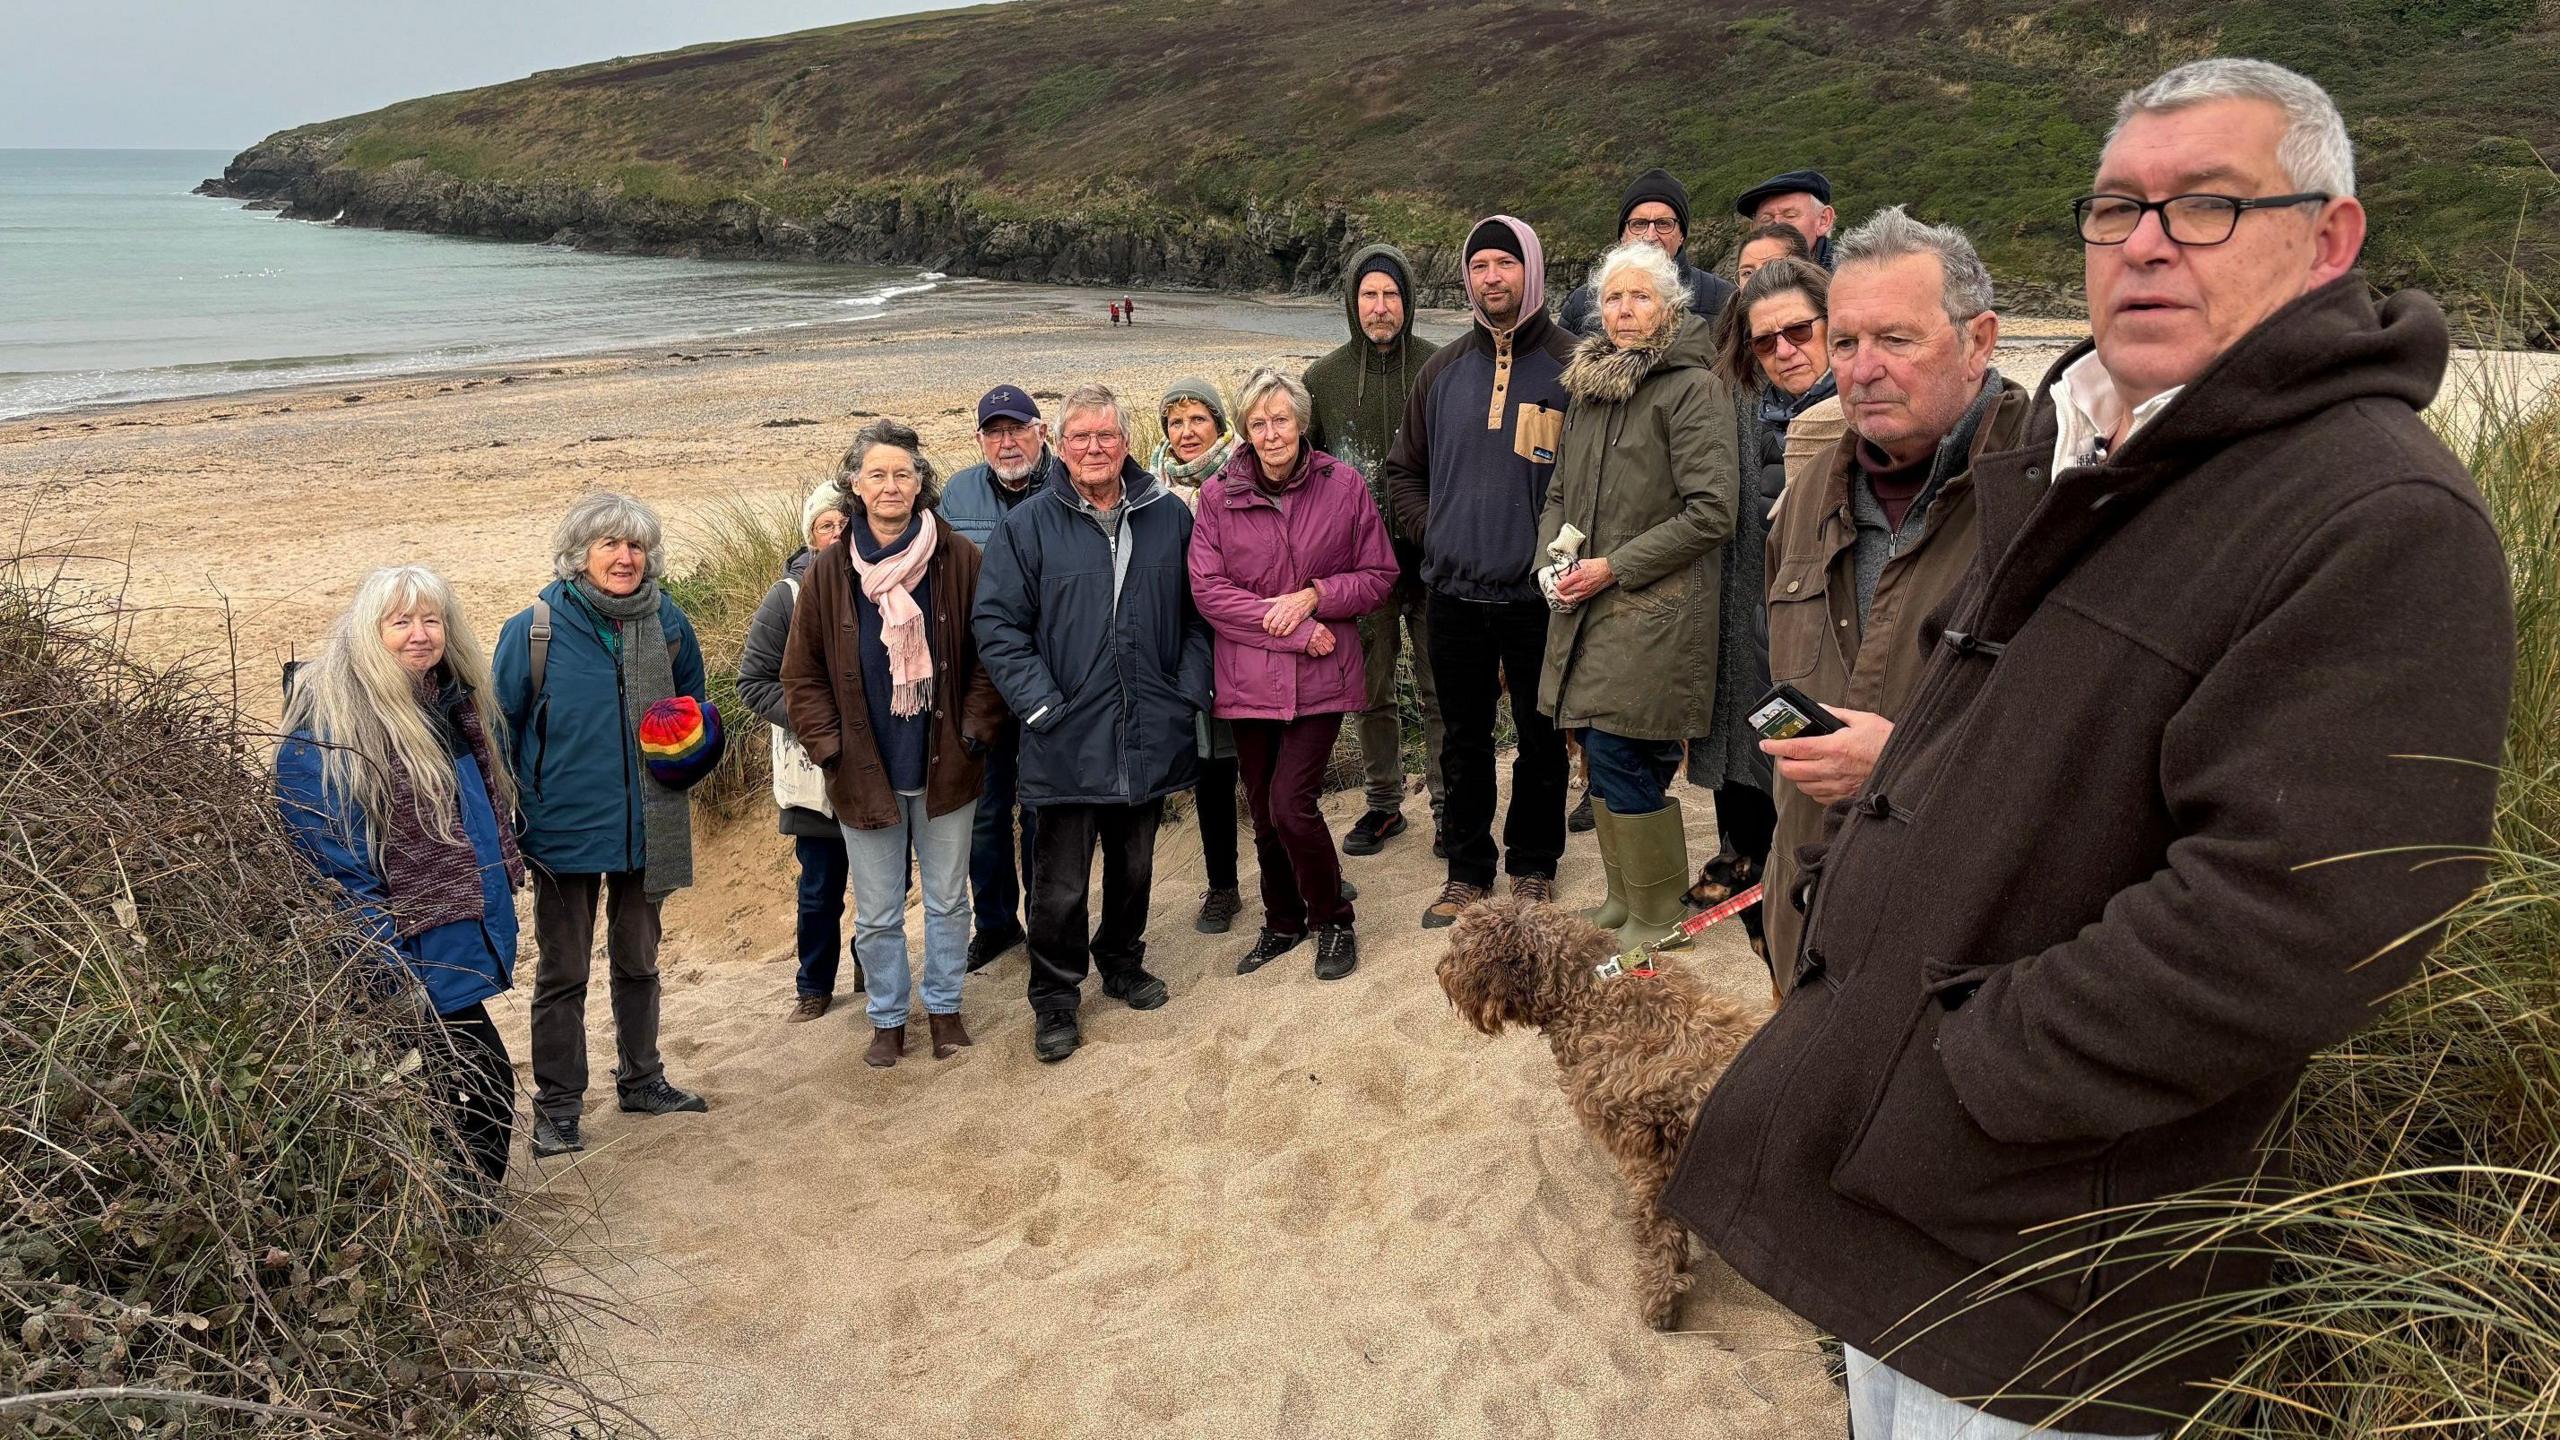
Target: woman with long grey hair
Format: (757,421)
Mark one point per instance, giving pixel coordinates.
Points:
(393,782)
(575,673)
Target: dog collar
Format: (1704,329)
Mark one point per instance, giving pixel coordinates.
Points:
(1618,967)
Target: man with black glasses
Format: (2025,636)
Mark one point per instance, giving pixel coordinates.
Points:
(2204,752)
(1655,210)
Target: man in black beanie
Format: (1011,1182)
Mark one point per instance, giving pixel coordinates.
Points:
(1654,208)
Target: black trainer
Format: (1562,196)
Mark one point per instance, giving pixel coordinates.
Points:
(1370,833)
(1219,908)
(1057,1037)
(1140,990)
(988,946)
(1337,954)
(657,1097)
(556,1137)
(1271,946)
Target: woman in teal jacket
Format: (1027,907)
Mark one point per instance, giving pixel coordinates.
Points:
(392,782)
(575,672)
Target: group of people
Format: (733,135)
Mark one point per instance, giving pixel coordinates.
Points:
(2112,660)
(1124,311)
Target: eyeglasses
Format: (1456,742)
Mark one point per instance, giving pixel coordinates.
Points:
(2185,219)
(1091,439)
(1652,227)
(1799,335)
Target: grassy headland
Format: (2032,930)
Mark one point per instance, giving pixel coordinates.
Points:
(1251,144)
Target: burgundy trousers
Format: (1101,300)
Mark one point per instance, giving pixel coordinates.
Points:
(1284,763)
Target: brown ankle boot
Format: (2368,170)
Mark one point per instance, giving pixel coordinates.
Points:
(886,1046)
(949,1034)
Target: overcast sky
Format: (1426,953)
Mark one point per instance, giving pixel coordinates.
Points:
(222,74)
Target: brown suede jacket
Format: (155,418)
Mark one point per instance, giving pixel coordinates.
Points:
(822,682)
(2072,945)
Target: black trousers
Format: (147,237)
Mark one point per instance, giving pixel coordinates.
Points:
(1216,798)
(1746,820)
(1476,649)
(1063,945)
(466,1061)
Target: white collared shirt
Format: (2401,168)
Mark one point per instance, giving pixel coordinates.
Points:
(2087,410)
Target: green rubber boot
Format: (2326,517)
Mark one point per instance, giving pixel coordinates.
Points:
(1612,911)
(1652,871)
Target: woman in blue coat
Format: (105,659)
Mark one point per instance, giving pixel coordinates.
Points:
(575,672)
(392,783)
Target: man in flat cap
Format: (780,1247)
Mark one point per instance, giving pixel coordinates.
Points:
(1801,198)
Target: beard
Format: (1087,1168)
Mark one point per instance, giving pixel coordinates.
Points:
(1014,474)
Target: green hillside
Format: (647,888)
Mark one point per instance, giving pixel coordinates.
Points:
(1246,142)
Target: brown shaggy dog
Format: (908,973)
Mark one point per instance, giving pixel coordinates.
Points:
(1637,1052)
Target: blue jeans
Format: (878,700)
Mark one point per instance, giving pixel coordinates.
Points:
(879,864)
(993,875)
(1631,777)
(1885,1404)
(822,878)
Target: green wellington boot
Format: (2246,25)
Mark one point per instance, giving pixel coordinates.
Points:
(1653,873)
(1612,911)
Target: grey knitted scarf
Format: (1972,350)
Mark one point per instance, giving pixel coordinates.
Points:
(648,676)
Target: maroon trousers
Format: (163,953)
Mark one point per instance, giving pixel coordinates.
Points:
(1283,762)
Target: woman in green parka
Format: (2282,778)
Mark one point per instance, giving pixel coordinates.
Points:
(1648,475)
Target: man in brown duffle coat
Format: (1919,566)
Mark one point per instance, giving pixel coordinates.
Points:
(2070,946)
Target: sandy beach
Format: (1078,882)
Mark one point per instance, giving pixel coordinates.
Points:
(1272,1208)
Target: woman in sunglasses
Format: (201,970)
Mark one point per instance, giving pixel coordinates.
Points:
(1776,353)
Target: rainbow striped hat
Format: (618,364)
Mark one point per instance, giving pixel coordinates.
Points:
(680,738)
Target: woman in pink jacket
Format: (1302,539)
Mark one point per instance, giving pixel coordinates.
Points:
(1287,553)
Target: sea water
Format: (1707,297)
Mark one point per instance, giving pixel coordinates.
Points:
(116,284)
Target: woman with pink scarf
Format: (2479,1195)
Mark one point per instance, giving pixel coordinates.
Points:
(887,696)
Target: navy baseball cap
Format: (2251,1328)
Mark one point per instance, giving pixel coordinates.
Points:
(1007,402)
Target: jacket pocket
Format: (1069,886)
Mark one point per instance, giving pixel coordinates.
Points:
(1799,619)
(1536,433)
(1918,1157)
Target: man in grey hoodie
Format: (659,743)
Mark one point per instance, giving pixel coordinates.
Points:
(1360,390)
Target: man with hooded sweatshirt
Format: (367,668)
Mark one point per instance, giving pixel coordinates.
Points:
(1360,390)
(1467,475)
(1654,209)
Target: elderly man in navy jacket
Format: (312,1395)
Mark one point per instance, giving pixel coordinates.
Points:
(1084,618)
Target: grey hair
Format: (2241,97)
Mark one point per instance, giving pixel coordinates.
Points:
(2315,151)
(607,516)
(1262,384)
(898,435)
(1090,396)
(1649,260)
(1892,233)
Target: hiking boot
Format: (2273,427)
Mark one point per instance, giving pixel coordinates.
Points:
(1337,954)
(810,1007)
(657,1097)
(1439,844)
(1218,910)
(1057,1037)
(987,946)
(1455,896)
(1139,990)
(1270,947)
(1371,832)
(887,1044)
(1581,820)
(556,1137)
(949,1034)
(1536,889)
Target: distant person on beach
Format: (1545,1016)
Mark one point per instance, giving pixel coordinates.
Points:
(886,693)
(394,782)
(1287,554)
(1763,244)
(1129,310)
(1798,199)
(1653,211)
(1197,442)
(1468,473)
(799,786)
(1013,444)
(1633,653)
(1359,389)
(1115,312)
(1084,618)
(574,674)
(2238,619)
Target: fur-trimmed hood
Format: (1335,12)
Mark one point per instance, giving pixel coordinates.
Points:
(1601,373)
